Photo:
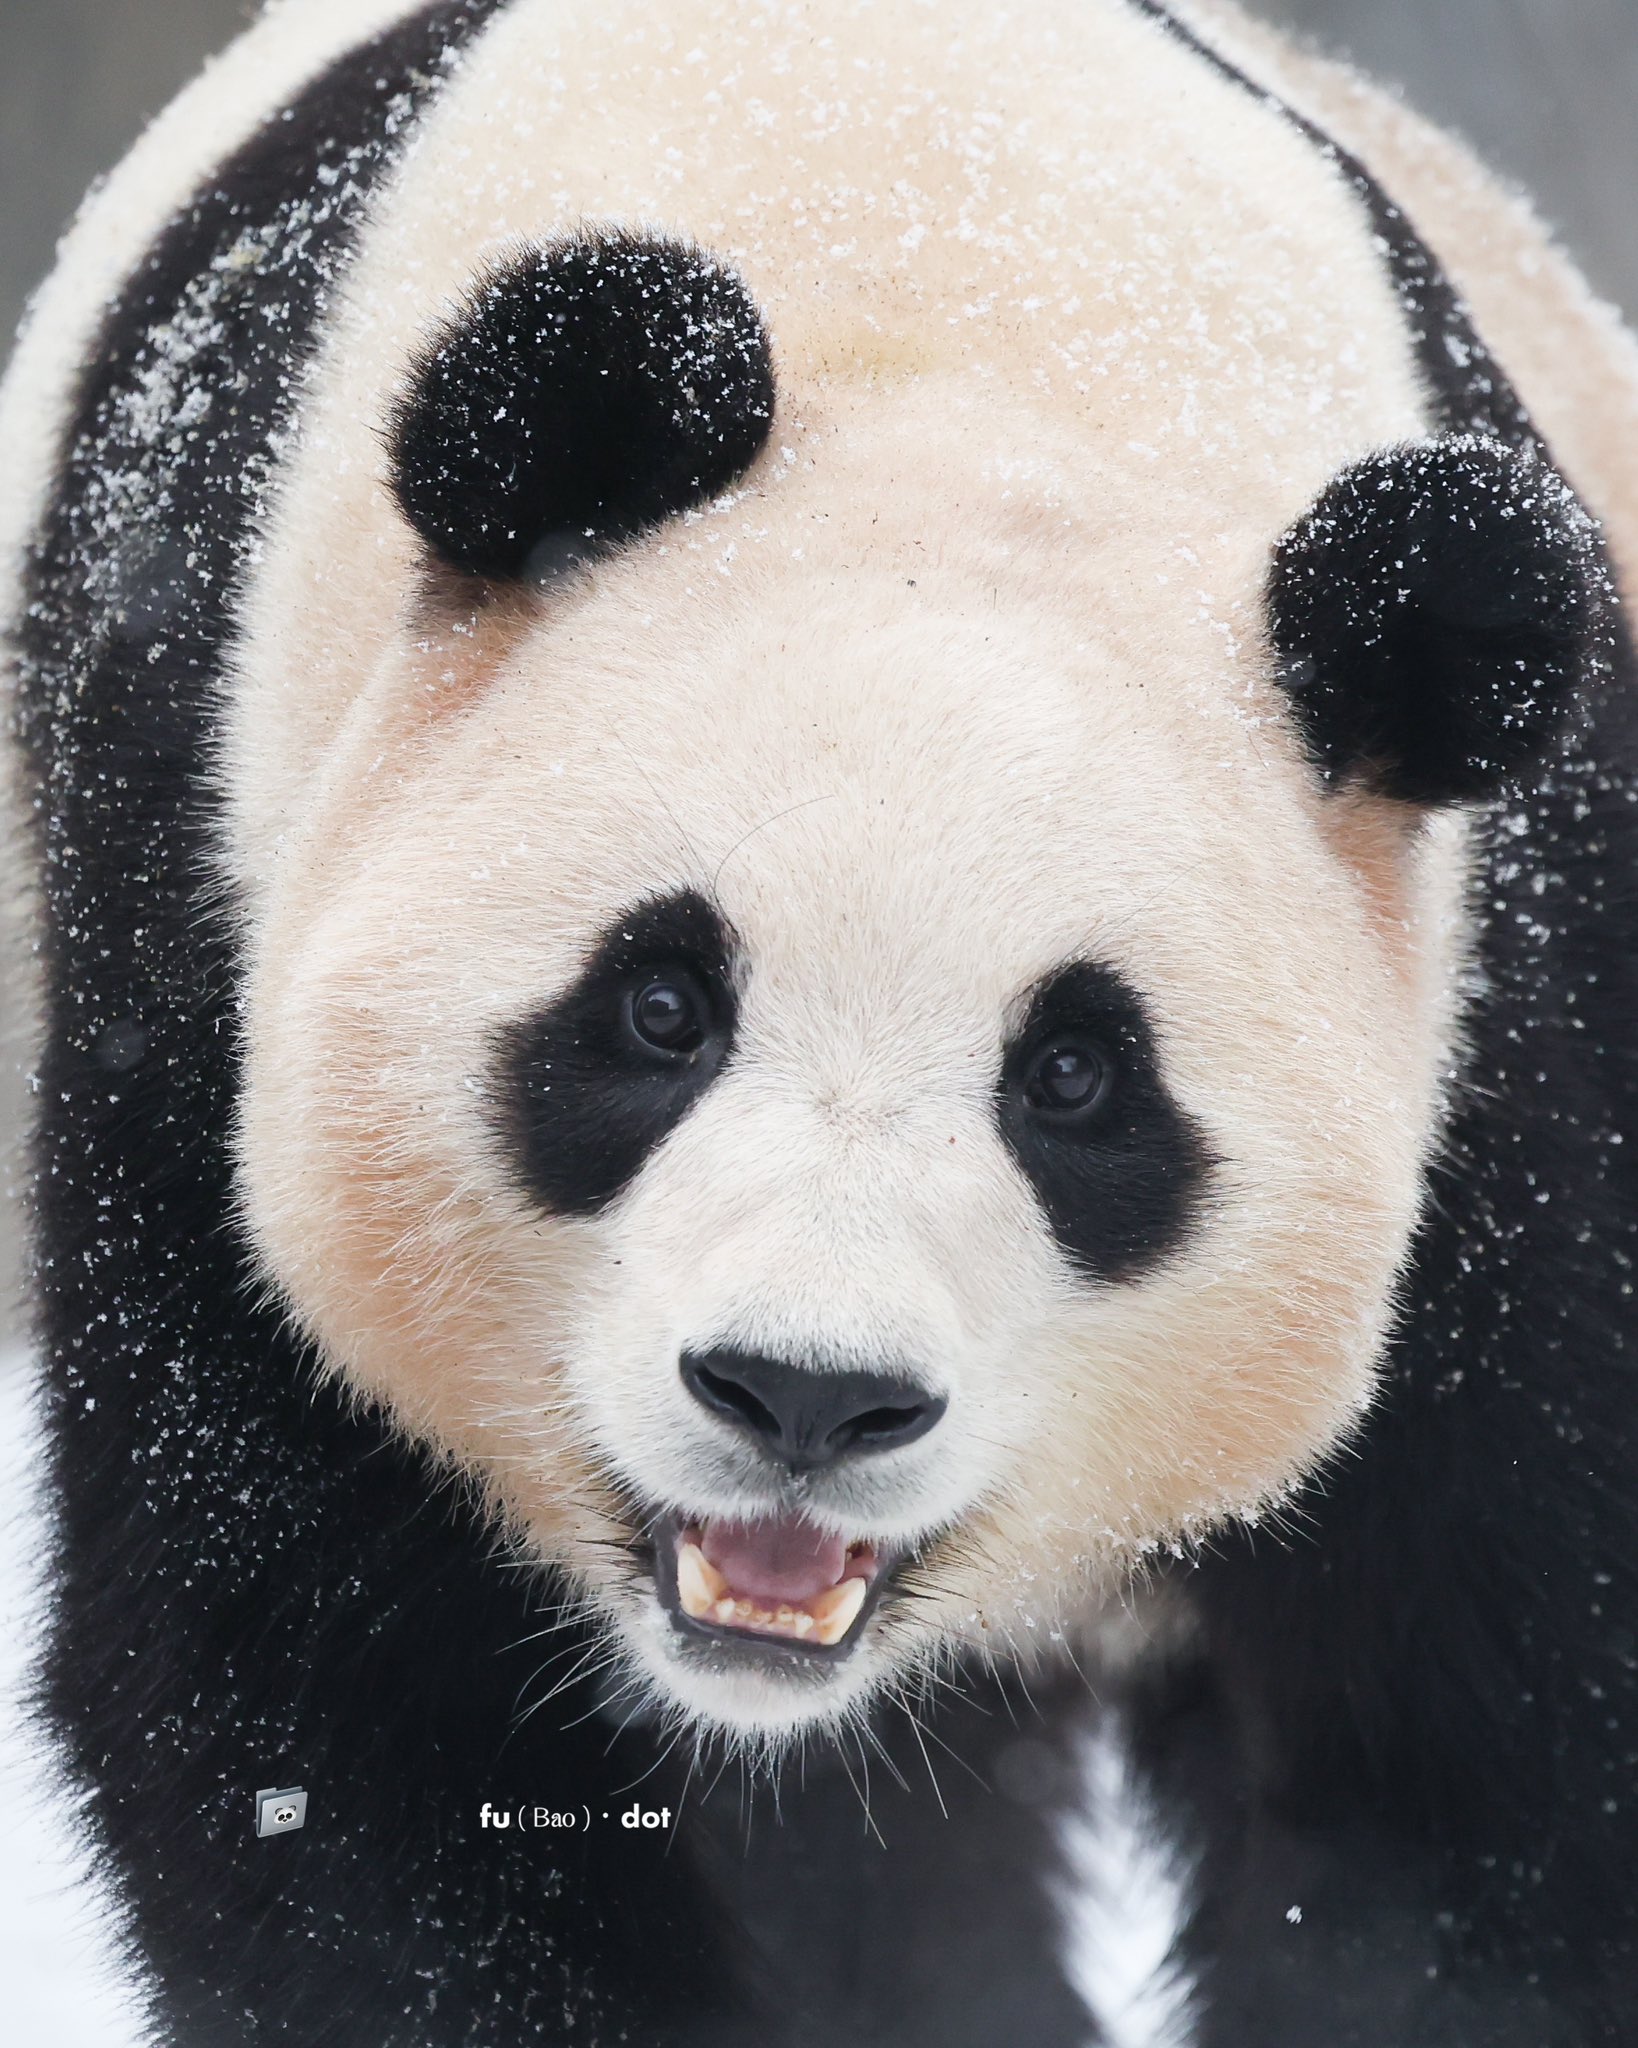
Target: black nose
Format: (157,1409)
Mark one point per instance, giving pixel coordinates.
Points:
(804,1417)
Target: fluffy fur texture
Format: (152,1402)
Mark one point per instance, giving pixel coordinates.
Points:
(1436,614)
(948,700)
(1126,1904)
(583,393)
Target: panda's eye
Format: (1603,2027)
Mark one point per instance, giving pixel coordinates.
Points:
(1067,1081)
(668,1014)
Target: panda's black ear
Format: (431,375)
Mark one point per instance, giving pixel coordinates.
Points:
(583,393)
(1434,616)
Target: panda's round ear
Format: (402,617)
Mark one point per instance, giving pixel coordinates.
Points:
(583,393)
(1435,615)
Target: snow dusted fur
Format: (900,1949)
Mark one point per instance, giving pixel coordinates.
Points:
(965,686)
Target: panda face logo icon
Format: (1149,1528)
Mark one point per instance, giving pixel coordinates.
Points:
(281,1812)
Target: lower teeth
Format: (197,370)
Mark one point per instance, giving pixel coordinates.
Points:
(705,1595)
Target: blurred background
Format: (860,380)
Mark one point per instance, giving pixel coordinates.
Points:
(1546,89)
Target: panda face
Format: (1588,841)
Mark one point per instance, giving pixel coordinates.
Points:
(857,1103)
(856,1060)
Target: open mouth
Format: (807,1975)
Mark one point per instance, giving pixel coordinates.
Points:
(776,1581)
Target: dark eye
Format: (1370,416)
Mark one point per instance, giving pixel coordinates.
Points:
(668,1014)
(1068,1080)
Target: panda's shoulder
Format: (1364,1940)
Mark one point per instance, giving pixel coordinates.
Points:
(1573,359)
(124,217)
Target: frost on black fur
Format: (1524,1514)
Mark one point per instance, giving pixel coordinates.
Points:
(584,393)
(1434,614)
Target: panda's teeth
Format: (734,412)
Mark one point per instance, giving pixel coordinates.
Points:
(835,1612)
(705,1595)
(699,1584)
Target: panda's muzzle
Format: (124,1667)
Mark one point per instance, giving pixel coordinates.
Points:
(773,1579)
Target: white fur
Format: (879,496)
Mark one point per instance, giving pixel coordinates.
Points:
(1571,355)
(1124,1904)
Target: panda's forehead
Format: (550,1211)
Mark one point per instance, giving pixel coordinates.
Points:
(876,785)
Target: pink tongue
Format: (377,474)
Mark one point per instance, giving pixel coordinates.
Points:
(780,1558)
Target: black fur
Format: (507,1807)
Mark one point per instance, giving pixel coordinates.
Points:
(584,393)
(1435,614)
(1440,688)
(582,1105)
(254,1583)
(1121,1192)
(1417,1712)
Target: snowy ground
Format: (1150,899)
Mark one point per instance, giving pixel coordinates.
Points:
(62,1988)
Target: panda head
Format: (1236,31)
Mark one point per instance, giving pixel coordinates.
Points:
(863,1069)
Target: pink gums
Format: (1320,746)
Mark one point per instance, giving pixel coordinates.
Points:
(781,1558)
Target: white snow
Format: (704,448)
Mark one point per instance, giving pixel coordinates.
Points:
(63,1987)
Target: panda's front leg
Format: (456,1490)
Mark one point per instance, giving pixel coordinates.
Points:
(1404,1759)
(1320,1931)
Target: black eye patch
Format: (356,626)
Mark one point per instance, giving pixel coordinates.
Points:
(590,1085)
(1114,1162)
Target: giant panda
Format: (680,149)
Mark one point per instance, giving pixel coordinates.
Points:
(832,818)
